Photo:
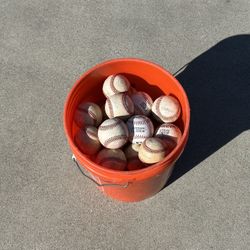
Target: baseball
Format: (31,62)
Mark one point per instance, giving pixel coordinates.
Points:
(112,159)
(133,162)
(119,105)
(115,84)
(113,133)
(104,115)
(88,113)
(166,109)
(170,133)
(142,103)
(131,91)
(140,127)
(86,140)
(152,150)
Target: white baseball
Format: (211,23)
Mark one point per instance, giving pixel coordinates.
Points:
(115,84)
(166,109)
(142,103)
(140,127)
(112,159)
(86,140)
(88,113)
(170,133)
(152,150)
(119,105)
(113,133)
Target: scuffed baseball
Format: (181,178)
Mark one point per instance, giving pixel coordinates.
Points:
(152,150)
(131,153)
(112,158)
(142,103)
(88,113)
(166,109)
(115,84)
(113,133)
(131,91)
(86,140)
(140,127)
(170,133)
(119,105)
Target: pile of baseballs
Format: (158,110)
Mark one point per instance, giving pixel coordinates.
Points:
(120,134)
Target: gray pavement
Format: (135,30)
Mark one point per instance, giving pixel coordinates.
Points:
(45,203)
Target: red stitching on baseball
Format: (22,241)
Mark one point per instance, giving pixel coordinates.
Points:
(150,150)
(93,116)
(110,126)
(114,138)
(92,133)
(124,96)
(111,111)
(112,85)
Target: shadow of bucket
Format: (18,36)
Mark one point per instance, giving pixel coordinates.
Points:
(146,76)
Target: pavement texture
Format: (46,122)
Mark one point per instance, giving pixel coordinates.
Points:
(45,203)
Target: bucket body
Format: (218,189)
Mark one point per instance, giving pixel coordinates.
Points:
(144,76)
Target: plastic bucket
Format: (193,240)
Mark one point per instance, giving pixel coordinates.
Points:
(143,75)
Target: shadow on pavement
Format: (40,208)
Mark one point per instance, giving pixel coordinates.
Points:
(218,86)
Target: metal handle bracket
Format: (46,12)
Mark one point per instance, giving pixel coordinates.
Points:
(98,184)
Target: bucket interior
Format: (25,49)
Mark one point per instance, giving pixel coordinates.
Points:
(143,75)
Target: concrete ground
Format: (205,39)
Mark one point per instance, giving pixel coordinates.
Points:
(45,203)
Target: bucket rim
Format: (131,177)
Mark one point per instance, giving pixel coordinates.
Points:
(120,176)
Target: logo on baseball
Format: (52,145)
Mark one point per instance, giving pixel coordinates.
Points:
(140,127)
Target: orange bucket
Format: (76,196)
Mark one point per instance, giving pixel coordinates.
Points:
(146,76)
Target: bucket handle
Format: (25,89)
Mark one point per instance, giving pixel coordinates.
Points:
(98,184)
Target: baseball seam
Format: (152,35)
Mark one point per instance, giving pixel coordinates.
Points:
(112,85)
(110,107)
(150,150)
(124,96)
(110,126)
(114,138)
(93,134)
